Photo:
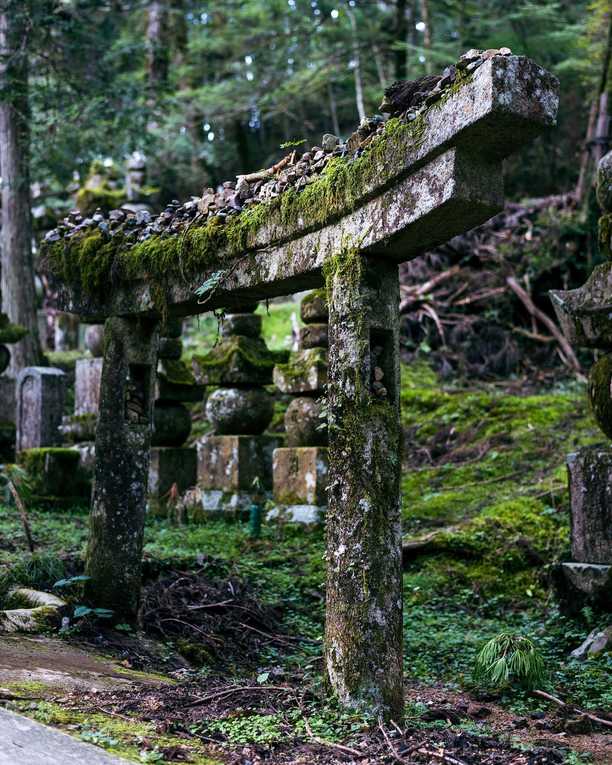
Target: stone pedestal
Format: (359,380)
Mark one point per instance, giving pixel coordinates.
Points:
(171,466)
(40,403)
(300,483)
(56,476)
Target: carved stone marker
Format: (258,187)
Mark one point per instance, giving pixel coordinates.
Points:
(40,403)
(585,316)
(235,460)
(413,186)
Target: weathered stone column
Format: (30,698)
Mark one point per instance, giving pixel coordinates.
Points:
(123,440)
(363,641)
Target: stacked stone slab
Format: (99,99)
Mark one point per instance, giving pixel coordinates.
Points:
(586,319)
(235,460)
(172,467)
(300,468)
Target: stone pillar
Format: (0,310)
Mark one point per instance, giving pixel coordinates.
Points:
(300,468)
(123,441)
(240,409)
(40,395)
(363,631)
(172,464)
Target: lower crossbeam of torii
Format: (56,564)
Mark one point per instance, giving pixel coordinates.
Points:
(415,185)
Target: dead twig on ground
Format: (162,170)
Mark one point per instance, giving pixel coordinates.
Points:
(324,742)
(230,691)
(393,750)
(563,704)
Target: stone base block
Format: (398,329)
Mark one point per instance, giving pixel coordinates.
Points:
(308,515)
(232,463)
(583,584)
(56,476)
(590,484)
(7,441)
(87,457)
(305,372)
(170,465)
(300,476)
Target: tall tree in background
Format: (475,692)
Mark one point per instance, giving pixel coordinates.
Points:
(17,285)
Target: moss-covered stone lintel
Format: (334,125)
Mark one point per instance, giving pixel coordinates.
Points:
(401,197)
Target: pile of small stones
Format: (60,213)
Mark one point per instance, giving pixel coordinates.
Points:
(293,171)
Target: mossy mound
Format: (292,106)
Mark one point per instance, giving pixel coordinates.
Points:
(600,396)
(485,471)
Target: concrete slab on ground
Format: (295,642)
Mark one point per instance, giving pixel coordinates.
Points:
(27,742)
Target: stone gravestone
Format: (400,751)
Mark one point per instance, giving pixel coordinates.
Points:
(40,396)
(300,468)
(585,317)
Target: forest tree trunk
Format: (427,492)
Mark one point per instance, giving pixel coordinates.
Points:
(17,293)
(400,34)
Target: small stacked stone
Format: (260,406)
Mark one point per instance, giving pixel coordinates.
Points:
(235,461)
(296,170)
(584,314)
(300,468)
(172,467)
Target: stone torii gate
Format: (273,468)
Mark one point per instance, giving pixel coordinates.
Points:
(415,186)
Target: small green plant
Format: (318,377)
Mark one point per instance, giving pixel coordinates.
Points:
(101,613)
(509,658)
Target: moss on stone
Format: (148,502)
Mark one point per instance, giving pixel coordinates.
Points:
(177,372)
(605,235)
(94,261)
(54,475)
(237,359)
(65,360)
(600,395)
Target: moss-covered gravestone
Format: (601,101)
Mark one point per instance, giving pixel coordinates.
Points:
(235,460)
(387,197)
(300,468)
(585,315)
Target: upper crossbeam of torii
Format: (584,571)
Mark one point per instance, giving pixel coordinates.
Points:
(414,185)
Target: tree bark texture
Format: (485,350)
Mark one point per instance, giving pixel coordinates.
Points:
(17,292)
(363,635)
(123,441)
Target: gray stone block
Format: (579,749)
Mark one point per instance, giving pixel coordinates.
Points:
(40,403)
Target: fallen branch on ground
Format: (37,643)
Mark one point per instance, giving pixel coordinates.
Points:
(563,704)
